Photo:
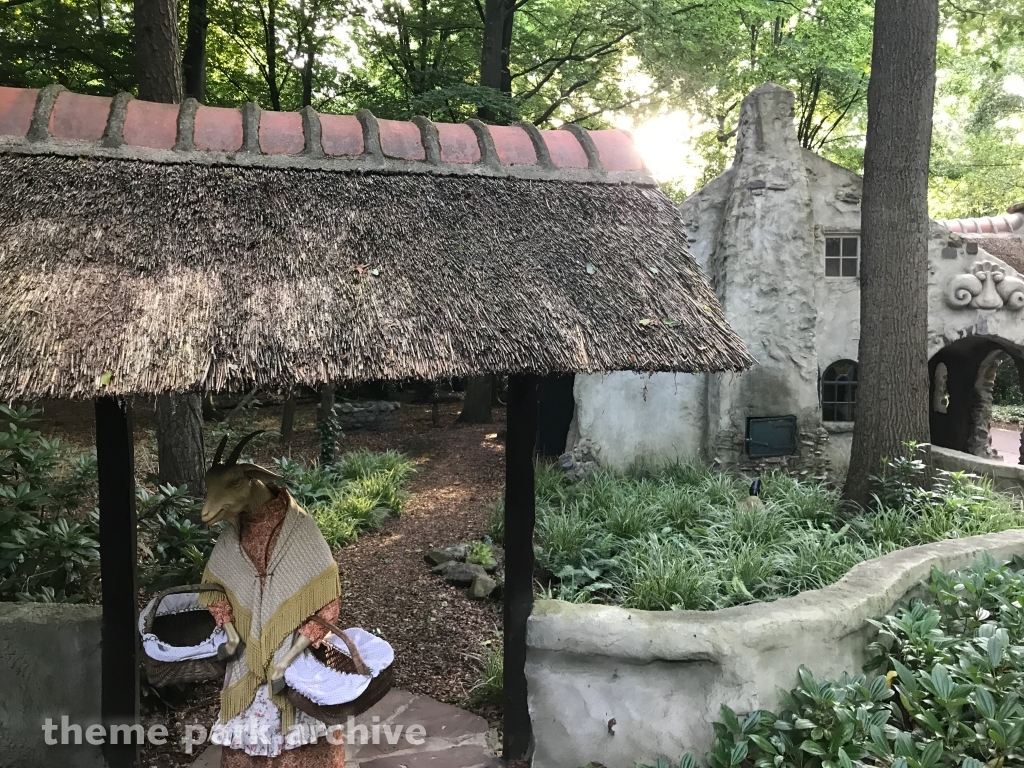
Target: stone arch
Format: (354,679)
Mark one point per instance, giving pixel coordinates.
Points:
(962,376)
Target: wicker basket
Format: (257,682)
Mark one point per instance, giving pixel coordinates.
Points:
(182,629)
(352,663)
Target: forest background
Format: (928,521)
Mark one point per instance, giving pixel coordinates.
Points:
(673,71)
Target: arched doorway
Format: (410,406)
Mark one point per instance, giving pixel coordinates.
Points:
(963,375)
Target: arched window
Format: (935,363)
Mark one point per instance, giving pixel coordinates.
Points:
(839,391)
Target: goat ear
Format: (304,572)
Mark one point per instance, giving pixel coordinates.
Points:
(254,472)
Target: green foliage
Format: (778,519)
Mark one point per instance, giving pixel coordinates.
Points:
(681,539)
(49,524)
(490,682)
(352,496)
(977,161)
(1006,388)
(328,431)
(947,693)
(480,553)
(1011,414)
(173,541)
(48,547)
(496,523)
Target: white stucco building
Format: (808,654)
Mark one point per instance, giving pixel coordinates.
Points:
(778,235)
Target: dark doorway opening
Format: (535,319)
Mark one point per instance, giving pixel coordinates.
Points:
(963,385)
(555,408)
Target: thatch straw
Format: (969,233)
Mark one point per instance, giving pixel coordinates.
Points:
(130,277)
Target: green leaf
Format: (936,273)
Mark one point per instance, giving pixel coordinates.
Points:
(813,748)
(931,754)
(739,753)
(763,744)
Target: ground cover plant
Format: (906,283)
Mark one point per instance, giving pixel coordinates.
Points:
(944,690)
(49,521)
(680,538)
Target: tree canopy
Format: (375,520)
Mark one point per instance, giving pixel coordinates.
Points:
(592,62)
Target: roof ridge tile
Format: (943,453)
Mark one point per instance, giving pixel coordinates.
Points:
(54,120)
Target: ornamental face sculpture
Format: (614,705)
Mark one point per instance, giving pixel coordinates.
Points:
(989,285)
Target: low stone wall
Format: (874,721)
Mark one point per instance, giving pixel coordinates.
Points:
(49,667)
(1005,476)
(619,686)
(377,416)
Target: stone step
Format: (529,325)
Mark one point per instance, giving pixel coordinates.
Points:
(447,737)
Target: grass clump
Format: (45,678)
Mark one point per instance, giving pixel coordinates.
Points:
(679,538)
(352,496)
(490,682)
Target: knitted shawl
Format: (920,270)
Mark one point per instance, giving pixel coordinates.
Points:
(302,577)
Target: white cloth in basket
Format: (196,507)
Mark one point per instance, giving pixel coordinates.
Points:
(325,686)
(158,650)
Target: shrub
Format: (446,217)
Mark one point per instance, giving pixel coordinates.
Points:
(680,538)
(48,547)
(948,692)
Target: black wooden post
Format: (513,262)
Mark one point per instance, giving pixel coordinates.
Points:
(520,510)
(115,457)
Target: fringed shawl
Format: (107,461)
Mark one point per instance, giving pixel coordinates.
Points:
(302,577)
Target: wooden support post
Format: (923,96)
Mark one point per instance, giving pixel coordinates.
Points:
(520,511)
(115,458)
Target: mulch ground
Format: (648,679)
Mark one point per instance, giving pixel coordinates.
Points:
(387,587)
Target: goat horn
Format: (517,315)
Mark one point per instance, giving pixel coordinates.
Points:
(241,444)
(220,451)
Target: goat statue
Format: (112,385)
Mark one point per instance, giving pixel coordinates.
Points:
(275,571)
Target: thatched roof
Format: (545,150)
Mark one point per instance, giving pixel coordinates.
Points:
(133,269)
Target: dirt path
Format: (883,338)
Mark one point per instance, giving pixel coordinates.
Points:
(434,628)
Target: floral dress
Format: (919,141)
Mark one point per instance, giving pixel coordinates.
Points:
(254,738)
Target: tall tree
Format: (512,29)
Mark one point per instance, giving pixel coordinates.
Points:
(193,62)
(179,417)
(157,64)
(892,391)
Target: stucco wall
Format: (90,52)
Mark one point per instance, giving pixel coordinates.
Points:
(635,418)
(618,686)
(49,667)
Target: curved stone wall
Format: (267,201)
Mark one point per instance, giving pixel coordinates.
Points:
(618,686)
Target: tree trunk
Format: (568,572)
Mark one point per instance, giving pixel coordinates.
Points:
(157,63)
(194,60)
(288,419)
(179,418)
(892,394)
(494,54)
(179,442)
(476,408)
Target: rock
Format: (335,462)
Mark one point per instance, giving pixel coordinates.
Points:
(462,574)
(443,568)
(437,556)
(458,552)
(482,587)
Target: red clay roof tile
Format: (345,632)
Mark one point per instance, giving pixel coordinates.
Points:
(341,135)
(16,107)
(402,141)
(458,143)
(281,133)
(76,116)
(565,149)
(151,125)
(217,129)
